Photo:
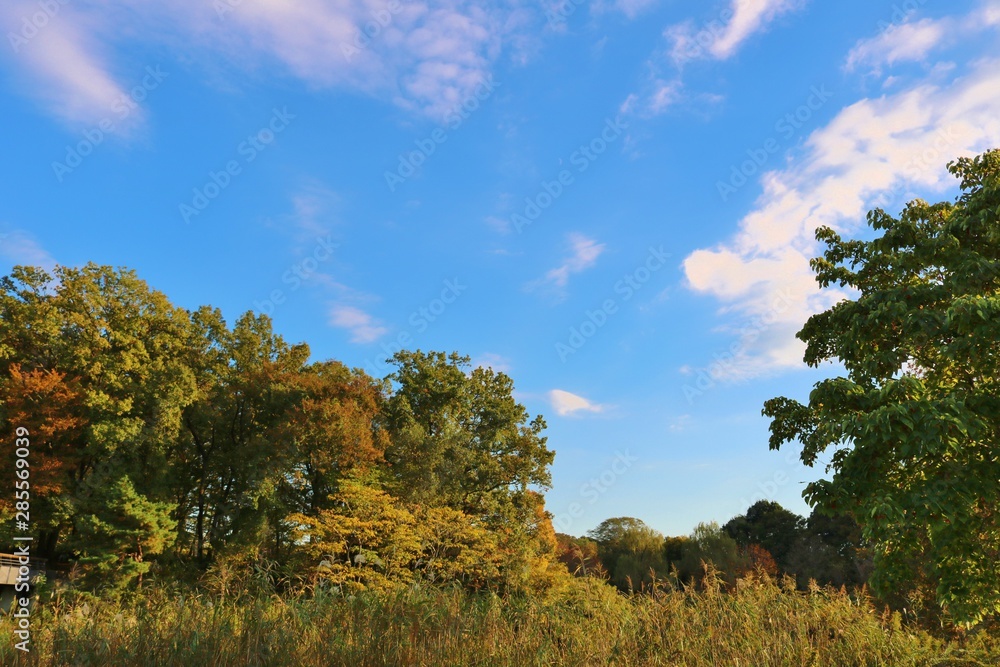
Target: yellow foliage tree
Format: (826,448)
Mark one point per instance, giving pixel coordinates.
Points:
(365,541)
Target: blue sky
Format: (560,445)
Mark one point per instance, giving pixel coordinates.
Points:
(613,201)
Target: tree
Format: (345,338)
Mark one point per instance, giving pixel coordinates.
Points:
(117,528)
(51,408)
(830,551)
(915,425)
(580,556)
(333,425)
(769,525)
(758,559)
(462,441)
(367,539)
(230,460)
(630,551)
(158,431)
(709,544)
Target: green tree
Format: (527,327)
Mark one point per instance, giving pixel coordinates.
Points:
(96,363)
(914,425)
(461,440)
(231,461)
(709,544)
(830,551)
(768,524)
(117,528)
(630,551)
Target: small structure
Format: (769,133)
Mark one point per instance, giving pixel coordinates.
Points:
(10,570)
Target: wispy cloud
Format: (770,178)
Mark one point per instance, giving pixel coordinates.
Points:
(906,42)
(664,95)
(717,39)
(748,17)
(915,40)
(63,63)
(721,38)
(363,327)
(313,212)
(566,404)
(583,255)
(18,247)
(681,423)
(426,56)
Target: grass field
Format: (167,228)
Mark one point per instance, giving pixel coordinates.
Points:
(586,623)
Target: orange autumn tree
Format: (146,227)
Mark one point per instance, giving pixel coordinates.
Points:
(49,406)
(334,430)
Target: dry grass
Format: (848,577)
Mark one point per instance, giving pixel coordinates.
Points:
(585,623)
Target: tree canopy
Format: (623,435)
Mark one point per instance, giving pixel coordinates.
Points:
(166,436)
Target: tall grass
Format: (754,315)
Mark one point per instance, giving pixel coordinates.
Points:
(761,623)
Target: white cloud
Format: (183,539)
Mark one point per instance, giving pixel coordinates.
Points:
(629,105)
(17,247)
(748,17)
(584,254)
(363,327)
(426,56)
(566,404)
(313,215)
(681,423)
(62,62)
(875,152)
(664,95)
(497,224)
(914,41)
(719,39)
(906,42)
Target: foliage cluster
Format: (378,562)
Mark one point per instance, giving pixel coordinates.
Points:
(164,436)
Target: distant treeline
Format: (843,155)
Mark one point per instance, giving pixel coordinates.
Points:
(827,550)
